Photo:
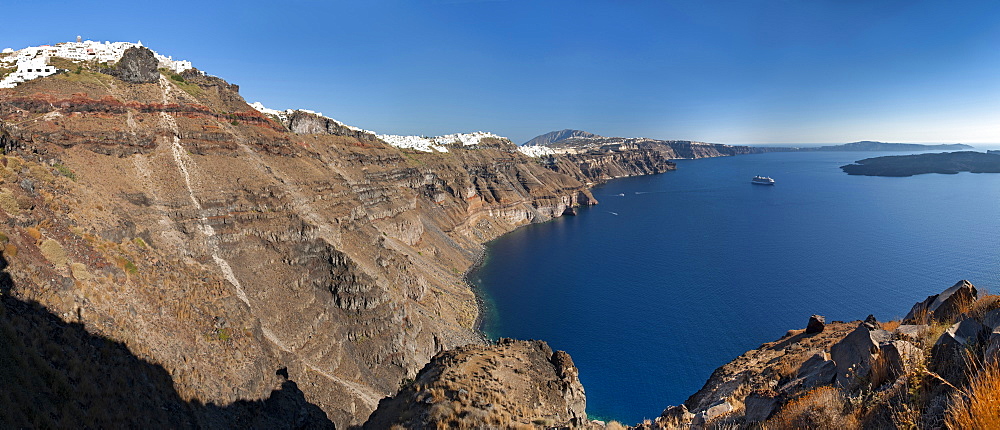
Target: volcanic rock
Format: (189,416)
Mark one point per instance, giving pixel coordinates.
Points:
(504,385)
(944,307)
(854,356)
(816,324)
(138,65)
(761,404)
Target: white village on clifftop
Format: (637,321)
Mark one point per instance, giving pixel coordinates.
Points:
(33,62)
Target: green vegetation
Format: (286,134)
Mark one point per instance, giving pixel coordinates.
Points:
(222,334)
(128,266)
(85,76)
(178,80)
(63,63)
(139,242)
(65,171)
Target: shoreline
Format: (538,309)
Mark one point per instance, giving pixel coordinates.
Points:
(478,291)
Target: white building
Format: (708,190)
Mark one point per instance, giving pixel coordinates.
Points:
(35,58)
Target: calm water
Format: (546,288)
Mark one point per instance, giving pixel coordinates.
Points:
(651,291)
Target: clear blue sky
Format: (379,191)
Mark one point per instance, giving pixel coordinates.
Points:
(781,71)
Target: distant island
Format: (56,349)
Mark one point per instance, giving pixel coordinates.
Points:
(909,165)
(869,145)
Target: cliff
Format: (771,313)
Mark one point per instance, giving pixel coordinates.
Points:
(172,255)
(237,254)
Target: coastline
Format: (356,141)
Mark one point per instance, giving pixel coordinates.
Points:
(481,308)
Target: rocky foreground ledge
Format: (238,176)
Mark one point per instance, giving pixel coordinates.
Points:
(932,369)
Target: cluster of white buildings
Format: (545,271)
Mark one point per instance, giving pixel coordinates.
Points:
(33,62)
(419,143)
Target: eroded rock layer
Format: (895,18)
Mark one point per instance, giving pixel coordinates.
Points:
(235,251)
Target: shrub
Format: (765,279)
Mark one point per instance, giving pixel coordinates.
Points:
(9,203)
(128,265)
(979,408)
(65,171)
(821,408)
(53,252)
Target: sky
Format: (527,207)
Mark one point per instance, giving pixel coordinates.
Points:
(738,72)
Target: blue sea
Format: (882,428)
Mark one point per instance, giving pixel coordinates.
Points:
(673,275)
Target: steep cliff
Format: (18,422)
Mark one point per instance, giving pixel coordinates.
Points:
(237,252)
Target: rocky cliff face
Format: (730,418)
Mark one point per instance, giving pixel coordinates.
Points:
(138,66)
(239,253)
(510,384)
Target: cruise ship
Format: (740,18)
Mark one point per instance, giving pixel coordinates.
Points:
(762,180)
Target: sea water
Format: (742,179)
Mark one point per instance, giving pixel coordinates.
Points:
(673,275)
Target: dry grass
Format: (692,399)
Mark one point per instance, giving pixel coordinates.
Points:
(984,305)
(821,408)
(891,325)
(9,203)
(53,252)
(979,408)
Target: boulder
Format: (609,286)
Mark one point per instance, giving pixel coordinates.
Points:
(761,404)
(949,356)
(965,332)
(675,416)
(900,356)
(816,324)
(944,307)
(912,332)
(992,319)
(872,323)
(818,370)
(880,335)
(992,353)
(854,355)
(715,411)
(138,65)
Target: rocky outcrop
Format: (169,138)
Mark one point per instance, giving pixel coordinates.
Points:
(309,123)
(854,355)
(597,166)
(793,364)
(816,324)
(557,136)
(908,375)
(945,306)
(138,65)
(514,383)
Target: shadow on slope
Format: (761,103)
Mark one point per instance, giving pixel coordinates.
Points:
(55,374)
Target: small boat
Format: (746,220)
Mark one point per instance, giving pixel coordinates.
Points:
(762,180)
